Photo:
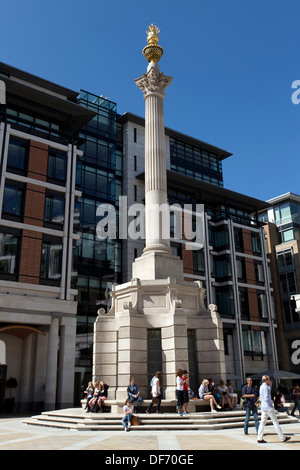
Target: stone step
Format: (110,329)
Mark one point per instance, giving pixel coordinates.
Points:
(78,420)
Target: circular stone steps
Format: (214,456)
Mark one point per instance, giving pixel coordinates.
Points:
(77,419)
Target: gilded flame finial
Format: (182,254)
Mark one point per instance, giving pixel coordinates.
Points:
(153,51)
(152,34)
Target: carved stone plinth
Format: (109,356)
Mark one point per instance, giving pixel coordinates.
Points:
(121,348)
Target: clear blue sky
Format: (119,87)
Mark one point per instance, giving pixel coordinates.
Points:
(233,64)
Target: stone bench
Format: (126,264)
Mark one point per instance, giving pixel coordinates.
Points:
(116,406)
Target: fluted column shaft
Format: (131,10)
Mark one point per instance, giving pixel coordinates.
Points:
(153,85)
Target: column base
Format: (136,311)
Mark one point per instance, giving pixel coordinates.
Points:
(157,265)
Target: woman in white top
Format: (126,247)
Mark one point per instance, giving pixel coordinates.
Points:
(205,394)
(179,392)
(156,392)
(128,409)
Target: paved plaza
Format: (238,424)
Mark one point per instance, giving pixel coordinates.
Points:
(16,435)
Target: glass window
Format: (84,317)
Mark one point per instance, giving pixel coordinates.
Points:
(285,212)
(263,217)
(262,305)
(254,342)
(291,278)
(198,260)
(221,237)
(256,243)
(285,260)
(288,284)
(17,157)
(222,267)
(12,200)
(32,121)
(87,212)
(51,261)
(92,294)
(240,269)
(238,239)
(57,165)
(88,246)
(287,235)
(295,211)
(244,303)
(9,248)
(224,299)
(102,153)
(54,209)
(259,272)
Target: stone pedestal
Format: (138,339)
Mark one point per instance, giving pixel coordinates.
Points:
(120,346)
(156,265)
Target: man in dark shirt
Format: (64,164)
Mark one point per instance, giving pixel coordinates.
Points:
(250,394)
(134,394)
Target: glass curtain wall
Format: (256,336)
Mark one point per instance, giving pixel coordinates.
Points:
(98,177)
(195,162)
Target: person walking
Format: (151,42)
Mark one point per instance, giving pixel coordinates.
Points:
(250,394)
(267,410)
(156,392)
(296,398)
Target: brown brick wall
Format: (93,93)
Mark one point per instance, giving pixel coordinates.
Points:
(187,255)
(250,279)
(30,258)
(188,265)
(38,161)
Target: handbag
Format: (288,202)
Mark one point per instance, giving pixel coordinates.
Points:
(135,420)
(155,400)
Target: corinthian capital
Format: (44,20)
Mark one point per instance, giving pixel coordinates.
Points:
(153,82)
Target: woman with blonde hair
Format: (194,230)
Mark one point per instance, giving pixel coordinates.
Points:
(102,395)
(89,392)
(205,394)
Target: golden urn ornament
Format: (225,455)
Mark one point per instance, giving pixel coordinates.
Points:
(153,51)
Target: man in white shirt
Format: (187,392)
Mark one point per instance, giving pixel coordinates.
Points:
(267,409)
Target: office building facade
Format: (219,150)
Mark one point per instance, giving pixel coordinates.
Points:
(38,311)
(282,227)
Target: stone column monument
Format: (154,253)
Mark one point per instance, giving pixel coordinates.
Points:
(157,261)
(157,299)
